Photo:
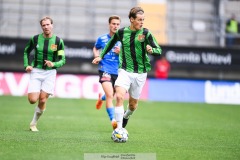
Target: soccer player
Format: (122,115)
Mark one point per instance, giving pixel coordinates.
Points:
(108,67)
(137,42)
(48,56)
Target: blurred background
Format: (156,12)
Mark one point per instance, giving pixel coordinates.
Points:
(174,22)
(194,34)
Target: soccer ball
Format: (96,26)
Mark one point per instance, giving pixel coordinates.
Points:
(120,135)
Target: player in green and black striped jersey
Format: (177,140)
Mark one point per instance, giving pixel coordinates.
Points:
(45,49)
(48,56)
(137,43)
(134,57)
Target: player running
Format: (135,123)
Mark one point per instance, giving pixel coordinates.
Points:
(48,55)
(108,67)
(137,42)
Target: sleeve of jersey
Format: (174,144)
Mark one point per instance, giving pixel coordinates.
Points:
(29,47)
(98,43)
(61,56)
(109,45)
(154,44)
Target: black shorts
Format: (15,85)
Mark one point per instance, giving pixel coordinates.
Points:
(106,77)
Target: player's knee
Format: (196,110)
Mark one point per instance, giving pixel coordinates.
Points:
(109,96)
(119,97)
(42,100)
(32,100)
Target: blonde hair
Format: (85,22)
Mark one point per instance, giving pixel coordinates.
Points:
(46,18)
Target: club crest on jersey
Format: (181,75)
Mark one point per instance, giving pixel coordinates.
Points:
(53,47)
(141,38)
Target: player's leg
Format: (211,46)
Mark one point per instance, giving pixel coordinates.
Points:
(39,110)
(119,109)
(101,97)
(34,88)
(109,92)
(132,106)
(134,95)
(122,85)
(47,83)
(33,98)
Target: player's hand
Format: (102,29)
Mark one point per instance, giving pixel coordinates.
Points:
(28,69)
(96,60)
(149,49)
(117,49)
(48,63)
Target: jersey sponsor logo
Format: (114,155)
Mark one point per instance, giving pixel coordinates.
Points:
(141,38)
(53,47)
(106,76)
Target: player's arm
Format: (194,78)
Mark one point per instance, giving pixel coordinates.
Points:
(61,56)
(96,52)
(152,47)
(26,62)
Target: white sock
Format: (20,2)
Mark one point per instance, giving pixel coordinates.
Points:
(119,111)
(128,113)
(37,113)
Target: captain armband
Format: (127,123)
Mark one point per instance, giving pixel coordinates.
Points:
(60,52)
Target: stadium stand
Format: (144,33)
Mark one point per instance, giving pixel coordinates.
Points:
(74,20)
(191,23)
(184,22)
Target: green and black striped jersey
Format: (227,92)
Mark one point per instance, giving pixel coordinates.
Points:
(133,57)
(51,49)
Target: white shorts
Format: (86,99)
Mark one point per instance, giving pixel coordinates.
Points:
(42,80)
(132,82)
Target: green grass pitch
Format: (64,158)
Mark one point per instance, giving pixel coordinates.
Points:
(71,127)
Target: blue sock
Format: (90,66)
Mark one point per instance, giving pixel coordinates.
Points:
(103,97)
(110,112)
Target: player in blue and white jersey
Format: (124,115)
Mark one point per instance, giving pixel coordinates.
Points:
(108,67)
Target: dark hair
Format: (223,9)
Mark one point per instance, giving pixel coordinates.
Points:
(113,17)
(134,11)
(45,18)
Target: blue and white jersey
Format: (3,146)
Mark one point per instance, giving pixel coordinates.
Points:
(110,61)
